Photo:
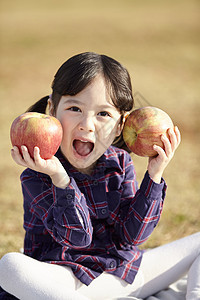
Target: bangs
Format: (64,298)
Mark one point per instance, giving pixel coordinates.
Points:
(78,72)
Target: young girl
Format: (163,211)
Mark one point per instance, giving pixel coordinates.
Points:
(84,214)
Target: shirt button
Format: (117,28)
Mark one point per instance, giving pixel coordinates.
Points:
(69,196)
(103,211)
(112,264)
(95,182)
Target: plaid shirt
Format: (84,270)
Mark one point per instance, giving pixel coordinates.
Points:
(96,223)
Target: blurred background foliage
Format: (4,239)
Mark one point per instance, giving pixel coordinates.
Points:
(158,41)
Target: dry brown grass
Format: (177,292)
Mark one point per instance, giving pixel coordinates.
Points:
(158,41)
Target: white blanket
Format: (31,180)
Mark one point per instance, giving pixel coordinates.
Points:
(176,291)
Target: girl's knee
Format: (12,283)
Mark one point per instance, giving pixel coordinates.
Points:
(9,264)
(196,235)
(11,270)
(7,269)
(196,240)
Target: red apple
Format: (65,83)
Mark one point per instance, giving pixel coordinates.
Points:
(34,129)
(143,129)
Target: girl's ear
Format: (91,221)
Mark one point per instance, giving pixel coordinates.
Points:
(122,122)
(50,107)
(119,130)
(120,127)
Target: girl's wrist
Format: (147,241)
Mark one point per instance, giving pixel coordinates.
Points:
(156,177)
(60,180)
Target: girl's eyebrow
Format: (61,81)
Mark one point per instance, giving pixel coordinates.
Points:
(106,106)
(73,101)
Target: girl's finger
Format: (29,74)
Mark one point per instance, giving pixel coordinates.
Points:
(16,155)
(167,145)
(27,158)
(37,157)
(178,135)
(159,150)
(173,139)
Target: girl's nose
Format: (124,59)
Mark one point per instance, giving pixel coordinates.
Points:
(87,124)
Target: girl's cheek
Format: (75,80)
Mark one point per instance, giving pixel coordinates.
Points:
(65,123)
(107,129)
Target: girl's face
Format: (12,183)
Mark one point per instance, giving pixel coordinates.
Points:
(90,123)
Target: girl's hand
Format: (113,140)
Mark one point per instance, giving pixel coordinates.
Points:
(157,164)
(51,167)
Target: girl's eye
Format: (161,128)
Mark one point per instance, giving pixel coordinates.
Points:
(104,114)
(74,108)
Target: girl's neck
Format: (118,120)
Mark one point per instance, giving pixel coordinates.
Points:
(88,170)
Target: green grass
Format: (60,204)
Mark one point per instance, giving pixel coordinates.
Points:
(158,41)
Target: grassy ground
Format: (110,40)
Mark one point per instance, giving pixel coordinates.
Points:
(158,41)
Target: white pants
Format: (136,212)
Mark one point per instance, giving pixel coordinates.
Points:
(27,278)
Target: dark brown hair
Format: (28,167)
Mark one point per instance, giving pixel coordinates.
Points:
(78,71)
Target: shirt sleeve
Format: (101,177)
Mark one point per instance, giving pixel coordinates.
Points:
(140,208)
(63,212)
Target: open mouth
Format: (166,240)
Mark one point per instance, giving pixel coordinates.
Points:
(83,148)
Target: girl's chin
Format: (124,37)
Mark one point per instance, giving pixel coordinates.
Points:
(83,163)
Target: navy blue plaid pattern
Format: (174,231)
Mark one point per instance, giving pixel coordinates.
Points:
(97,222)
